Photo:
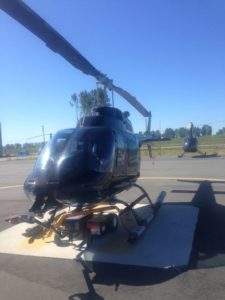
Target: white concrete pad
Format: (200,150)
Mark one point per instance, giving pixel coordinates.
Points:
(12,241)
(166,243)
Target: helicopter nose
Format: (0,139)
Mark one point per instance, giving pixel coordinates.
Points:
(29,188)
(29,183)
(39,181)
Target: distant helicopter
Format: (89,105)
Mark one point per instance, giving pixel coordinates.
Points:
(190,143)
(97,159)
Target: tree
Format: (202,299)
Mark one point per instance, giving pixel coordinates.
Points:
(221,131)
(100,97)
(90,100)
(156,134)
(9,147)
(206,130)
(196,131)
(86,102)
(18,146)
(182,132)
(169,133)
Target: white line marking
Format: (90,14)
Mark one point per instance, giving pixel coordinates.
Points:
(10,187)
(183,178)
(141,178)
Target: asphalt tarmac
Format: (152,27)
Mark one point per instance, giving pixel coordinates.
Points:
(198,181)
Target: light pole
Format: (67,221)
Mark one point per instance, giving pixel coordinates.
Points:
(43,132)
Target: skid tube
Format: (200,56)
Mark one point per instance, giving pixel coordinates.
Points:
(57,218)
(141,223)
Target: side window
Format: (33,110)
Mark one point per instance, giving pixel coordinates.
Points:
(133,149)
(120,160)
(60,145)
(76,144)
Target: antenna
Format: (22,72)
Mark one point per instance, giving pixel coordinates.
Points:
(43,133)
(112,98)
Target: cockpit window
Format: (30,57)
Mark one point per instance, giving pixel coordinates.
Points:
(59,145)
(54,148)
(76,145)
(59,142)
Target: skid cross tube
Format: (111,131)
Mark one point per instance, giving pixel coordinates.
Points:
(127,215)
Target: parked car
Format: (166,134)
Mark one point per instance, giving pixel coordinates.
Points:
(23,153)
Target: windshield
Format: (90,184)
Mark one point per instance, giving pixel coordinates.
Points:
(54,148)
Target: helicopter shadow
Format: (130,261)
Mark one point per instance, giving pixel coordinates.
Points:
(209,242)
(208,249)
(116,275)
(205,155)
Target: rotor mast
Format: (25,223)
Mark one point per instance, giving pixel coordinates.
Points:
(149,121)
(190,127)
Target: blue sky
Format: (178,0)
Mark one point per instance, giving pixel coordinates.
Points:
(169,54)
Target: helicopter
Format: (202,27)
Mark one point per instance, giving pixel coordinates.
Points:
(190,142)
(94,161)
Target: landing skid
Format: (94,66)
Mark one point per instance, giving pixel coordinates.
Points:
(204,154)
(166,243)
(86,222)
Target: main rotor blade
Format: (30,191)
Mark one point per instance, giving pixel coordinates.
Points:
(132,100)
(21,12)
(32,21)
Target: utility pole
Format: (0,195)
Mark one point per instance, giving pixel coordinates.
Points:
(43,133)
